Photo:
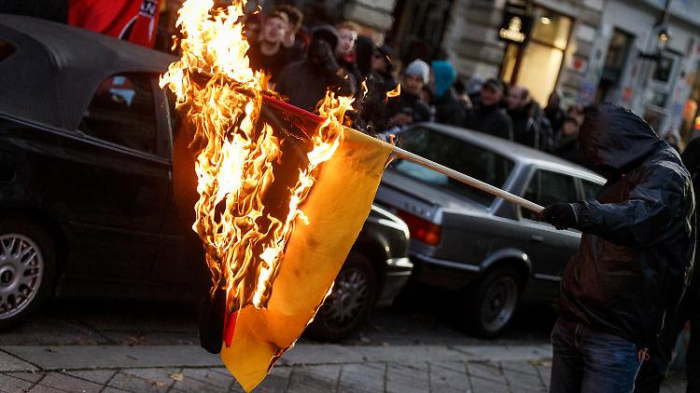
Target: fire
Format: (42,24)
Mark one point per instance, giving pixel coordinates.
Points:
(237,152)
(394,93)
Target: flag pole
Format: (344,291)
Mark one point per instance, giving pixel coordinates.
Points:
(398,152)
(406,155)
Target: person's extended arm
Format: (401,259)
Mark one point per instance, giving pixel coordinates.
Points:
(643,219)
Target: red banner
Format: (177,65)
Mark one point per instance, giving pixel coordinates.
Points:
(131,20)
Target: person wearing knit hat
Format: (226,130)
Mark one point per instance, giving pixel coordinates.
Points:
(419,68)
(408,108)
(447,109)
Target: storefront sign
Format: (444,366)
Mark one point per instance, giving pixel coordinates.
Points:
(515,28)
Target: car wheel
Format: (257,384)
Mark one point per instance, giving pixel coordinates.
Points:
(491,303)
(348,306)
(27,263)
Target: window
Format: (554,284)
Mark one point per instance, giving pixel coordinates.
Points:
(122,111)
(537,64)
(459,155)
(590,190)
(546,188)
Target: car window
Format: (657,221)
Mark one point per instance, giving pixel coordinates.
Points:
(457,154)
(122,111)
(547,187)
(6,49)
(590,190)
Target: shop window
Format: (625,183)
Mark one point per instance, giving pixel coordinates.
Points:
(122,111)
(537,64)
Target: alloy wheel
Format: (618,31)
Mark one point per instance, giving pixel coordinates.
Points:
(21,271)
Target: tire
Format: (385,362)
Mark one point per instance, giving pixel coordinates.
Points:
(27,270)
(491,303)
(348,307)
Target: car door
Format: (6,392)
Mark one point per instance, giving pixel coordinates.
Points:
(549,249)
(116,187)
(180,258)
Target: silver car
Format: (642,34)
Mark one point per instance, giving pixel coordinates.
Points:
(493,253)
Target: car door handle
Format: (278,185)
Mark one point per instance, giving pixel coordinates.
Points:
(536,239)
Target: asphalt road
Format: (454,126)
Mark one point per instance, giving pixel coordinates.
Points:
(420,316)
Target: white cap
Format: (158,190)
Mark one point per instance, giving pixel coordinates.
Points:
(419,68)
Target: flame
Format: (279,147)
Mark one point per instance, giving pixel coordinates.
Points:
(236,155)
(394,93)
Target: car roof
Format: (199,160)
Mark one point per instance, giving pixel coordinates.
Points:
(515,151)
(55,69)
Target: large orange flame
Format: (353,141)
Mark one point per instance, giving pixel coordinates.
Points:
(236,155)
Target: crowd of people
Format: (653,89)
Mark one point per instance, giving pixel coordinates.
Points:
(304,63)
(625,294)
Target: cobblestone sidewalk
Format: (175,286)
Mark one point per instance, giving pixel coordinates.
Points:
(305,369)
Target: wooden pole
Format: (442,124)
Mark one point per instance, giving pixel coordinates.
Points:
(468,180)
(400,153)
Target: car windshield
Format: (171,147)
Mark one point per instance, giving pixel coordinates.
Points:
(457,154)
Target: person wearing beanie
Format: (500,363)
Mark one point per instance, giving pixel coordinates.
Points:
(408,108)
(447,109)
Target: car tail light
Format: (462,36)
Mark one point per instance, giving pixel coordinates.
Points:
(421,229)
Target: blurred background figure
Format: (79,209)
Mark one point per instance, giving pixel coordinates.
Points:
(383,64)
(576,111)
(268,54)
(566,145)
(408,107)
(447,109)
(345,51)
(554,112)
(530,126)
(305,82)
(251,27)
(293,40)
(487,115)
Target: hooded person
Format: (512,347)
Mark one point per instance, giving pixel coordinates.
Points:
(305,82)
(371,108)
(447,109)
(634,258)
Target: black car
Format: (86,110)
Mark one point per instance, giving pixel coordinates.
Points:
(87,206)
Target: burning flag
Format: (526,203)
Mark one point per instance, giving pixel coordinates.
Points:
(282,194)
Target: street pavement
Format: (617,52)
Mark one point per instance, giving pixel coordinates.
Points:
(127,347)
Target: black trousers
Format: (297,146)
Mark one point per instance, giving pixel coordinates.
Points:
(654,370)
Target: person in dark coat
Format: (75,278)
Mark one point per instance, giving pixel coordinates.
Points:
(634,258)
(567,146)
(487,116)
(408,107)
(530,126)
(447,109)
(654,371)
(305,82)
(554,112)
(382,63)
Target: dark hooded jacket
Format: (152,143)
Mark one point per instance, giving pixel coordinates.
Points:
(305,82)
(638,242)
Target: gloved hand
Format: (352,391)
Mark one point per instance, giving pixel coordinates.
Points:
(561,215)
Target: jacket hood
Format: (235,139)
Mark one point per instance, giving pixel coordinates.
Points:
(444,75)
(327,33)
(614,137)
